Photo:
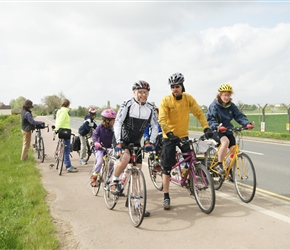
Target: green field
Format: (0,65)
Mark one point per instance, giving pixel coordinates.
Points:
(274,123)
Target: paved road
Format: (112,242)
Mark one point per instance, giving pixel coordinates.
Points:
(262,224)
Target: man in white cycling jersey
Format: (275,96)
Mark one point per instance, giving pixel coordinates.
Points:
(132,119)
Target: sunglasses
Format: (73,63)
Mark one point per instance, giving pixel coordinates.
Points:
(140,92)
(175,86)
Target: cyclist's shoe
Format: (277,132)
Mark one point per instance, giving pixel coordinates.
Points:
(83,162)
(114,188)
(146,214)
(72,169)
(166,204)
(94,180)
(220,169)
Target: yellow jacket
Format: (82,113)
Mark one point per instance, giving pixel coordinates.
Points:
(174,114)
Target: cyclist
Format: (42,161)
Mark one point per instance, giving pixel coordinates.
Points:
(27,126)
(158,143)
(174,120)
(63,121)
(219,115)
(102,136)
(132,119)
(86,128)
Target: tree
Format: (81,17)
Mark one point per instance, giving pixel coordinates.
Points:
(52,102)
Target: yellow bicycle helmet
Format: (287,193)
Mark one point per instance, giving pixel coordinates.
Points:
(225,88)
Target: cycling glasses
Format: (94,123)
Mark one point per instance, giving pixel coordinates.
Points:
(143,92)
(175,86)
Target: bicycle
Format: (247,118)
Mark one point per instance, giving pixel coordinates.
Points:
(90,147)
(38,141)
(59,151)
(109,152)
(239,168)
(197,179)
(132,186)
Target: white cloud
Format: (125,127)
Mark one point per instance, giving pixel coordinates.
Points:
(93,52)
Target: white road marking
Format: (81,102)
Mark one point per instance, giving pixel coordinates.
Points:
(256,208)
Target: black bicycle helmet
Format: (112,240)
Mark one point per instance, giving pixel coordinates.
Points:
(141,85)
(176,78)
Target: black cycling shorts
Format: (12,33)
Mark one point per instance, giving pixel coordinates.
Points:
(231,137)
(168,157)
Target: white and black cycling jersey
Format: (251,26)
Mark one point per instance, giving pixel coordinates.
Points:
(131,121)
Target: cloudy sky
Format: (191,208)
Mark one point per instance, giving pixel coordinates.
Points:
(93,51)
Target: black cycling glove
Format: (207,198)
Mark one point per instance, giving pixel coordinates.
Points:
(173,137)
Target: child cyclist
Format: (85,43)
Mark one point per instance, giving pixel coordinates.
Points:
(102,137)
(220,113)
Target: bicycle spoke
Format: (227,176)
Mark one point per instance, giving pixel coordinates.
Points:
(244,178)
(110,199)
(155,172)
(137,197)
(202,185)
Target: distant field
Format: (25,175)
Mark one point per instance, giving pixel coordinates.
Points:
(275,123)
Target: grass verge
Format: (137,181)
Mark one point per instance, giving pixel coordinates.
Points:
(25,221)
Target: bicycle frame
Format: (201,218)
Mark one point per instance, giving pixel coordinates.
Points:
(190,160)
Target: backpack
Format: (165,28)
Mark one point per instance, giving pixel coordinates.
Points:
(76,144)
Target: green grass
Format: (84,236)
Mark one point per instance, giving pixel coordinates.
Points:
(25,221)
(275,126)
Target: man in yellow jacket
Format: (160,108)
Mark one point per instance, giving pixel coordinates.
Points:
(174,120)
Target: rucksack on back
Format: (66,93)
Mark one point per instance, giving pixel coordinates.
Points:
(76,144)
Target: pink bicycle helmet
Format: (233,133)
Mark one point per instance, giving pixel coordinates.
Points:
(108,114)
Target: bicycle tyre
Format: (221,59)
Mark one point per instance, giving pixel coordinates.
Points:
(216,178)
(60,159)
(56,154)
(155,175)
(137,197)
(41,150)
(96,189)
(89,151)
(203,188)
(244,177)
(110,199)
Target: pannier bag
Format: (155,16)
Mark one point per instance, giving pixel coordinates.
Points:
(76,144)
(64,133)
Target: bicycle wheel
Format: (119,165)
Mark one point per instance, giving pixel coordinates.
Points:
(155,172)
(137,197)
(96,189)
(41,153)
(110,199)
(209,159)
(90,150)
(201,184)
(244,177)
(60,158)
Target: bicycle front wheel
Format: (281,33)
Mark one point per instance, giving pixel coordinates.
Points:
(244,177)
(202,186)
(110,199)
(137,197)
(41,153)
(155,172)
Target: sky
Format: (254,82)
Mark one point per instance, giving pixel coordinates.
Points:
(93,51)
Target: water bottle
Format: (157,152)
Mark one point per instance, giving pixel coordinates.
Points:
(180,159)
